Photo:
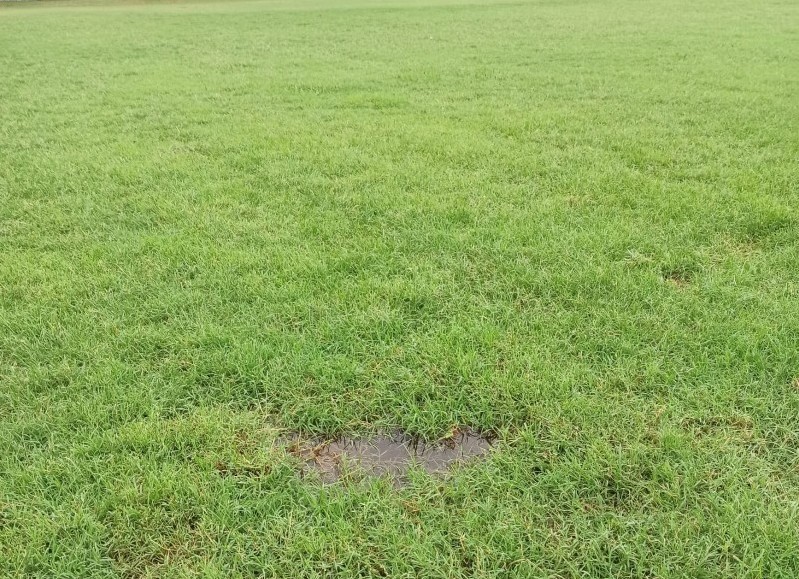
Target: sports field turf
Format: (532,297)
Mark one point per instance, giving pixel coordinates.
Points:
(573,224)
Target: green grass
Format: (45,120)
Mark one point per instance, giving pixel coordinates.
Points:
(572,223)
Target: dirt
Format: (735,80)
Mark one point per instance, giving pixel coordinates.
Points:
(677,279)
(391,455)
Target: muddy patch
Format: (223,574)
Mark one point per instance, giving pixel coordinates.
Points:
(385,455)
(679,279)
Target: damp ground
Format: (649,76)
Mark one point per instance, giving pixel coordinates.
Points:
(390,455)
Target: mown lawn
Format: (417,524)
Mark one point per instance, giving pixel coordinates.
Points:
(574,224)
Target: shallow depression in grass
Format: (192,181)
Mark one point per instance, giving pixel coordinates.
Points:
(386,454)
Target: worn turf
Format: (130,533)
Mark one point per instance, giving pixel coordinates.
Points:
(572,223)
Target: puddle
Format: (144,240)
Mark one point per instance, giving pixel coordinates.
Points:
(389,455)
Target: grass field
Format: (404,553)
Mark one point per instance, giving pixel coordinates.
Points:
(574,224)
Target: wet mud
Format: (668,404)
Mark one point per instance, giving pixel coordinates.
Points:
(386,455)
